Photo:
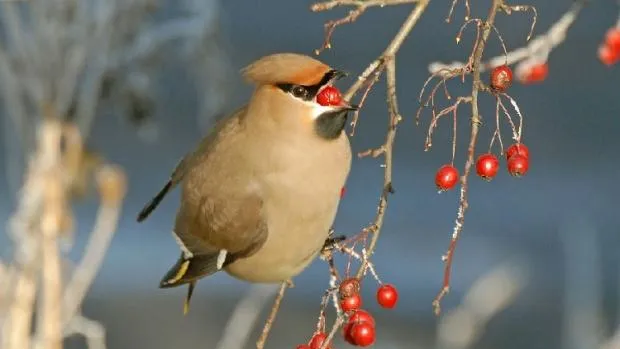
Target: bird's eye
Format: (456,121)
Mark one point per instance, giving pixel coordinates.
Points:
(300,92)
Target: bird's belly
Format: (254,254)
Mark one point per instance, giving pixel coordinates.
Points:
(295,238)
(302,204)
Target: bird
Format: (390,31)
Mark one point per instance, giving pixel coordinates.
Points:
(260,192)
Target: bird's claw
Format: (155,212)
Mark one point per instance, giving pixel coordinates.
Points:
(331,242)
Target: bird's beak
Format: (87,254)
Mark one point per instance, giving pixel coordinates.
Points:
(345,105)
(335,75)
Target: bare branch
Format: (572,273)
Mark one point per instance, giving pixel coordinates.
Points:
(537,49)
(386,61)
(92,330)
(393,119)
(360,7)
(476,121)
(523,8)
(112,187)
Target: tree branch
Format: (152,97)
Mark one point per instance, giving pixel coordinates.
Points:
(360,7)
(476,121)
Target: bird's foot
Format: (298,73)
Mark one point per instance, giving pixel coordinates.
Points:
(331,242)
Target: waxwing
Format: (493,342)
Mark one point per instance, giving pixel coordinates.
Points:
(260,192)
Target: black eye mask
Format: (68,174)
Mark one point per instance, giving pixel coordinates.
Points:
(309,92)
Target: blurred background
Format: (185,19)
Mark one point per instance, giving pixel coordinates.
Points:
(543,248)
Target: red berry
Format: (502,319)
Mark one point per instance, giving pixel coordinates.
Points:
(346,333)
(536,73)
(329,95)
(351,303)
(362,334)
(446,177)
(317,341)
(501,78)
(303,346)
(360,316)
(518,165)
(349,287)
(487,166)
(387,296)
(612,39)
(607,55)
(343,190)
(517,148)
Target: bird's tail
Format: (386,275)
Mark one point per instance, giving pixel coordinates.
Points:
(189,271)
(155,201)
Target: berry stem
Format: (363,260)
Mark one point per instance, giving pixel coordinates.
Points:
(453,136)
(339,321)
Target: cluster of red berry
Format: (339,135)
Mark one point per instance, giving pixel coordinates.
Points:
(487,166)
(501,77)
(518,157)
(359,329)
(329,95)
(517,162)
(609,50)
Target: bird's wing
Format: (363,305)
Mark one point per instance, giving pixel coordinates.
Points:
(219,233)
(232,222)
(187,163)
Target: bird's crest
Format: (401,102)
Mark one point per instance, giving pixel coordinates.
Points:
(285,68)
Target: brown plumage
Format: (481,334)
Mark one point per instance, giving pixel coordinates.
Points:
(260,192)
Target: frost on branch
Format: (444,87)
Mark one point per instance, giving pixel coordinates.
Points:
(61,62)
(531,59)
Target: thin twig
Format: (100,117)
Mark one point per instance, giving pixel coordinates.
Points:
(386,61)
(339,321)
(371,82)
(467,10)
(537,50)
(354,14)
(260,344)
(394,119)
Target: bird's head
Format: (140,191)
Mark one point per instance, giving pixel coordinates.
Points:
(287,88)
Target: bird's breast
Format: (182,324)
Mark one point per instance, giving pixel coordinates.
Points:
(301,201)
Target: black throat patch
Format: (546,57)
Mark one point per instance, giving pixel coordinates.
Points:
(330,124)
